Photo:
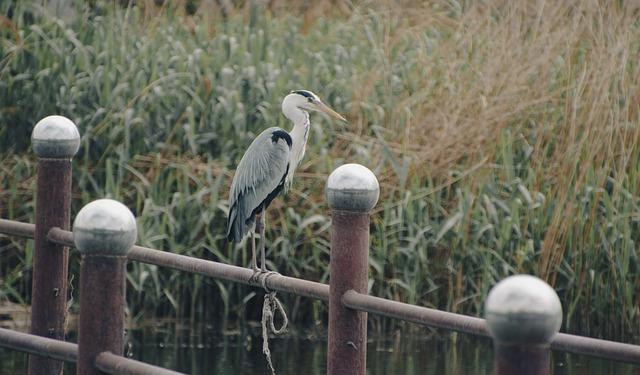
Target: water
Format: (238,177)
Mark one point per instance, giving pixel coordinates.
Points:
(205,350)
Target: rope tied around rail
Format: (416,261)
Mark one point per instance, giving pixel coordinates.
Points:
(269,308)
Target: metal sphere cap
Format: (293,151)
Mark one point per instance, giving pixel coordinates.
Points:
(352,187)
(523,309)
(55,137)
(104,227)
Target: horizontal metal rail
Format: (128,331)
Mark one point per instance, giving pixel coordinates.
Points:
(66,351)
(612,350)
(415,314)
(16,228)
(42,346)
(117,365)
(212,269)
(616,351)
(421,315)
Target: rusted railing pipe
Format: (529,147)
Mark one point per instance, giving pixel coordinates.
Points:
(16,228)
(228,272)
(55,140)
(523,315)
(352,191)
(104,232)
(40,346)
(611,350)
(117,365)
(415,314)
(209,268)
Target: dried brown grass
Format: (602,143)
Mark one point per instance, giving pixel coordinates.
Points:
(561,76)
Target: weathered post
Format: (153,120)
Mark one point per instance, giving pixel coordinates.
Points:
(104,232)
(55,140)
(352,191)
(523,315)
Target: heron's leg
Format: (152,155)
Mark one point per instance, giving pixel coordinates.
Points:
(263,240)
(254,260)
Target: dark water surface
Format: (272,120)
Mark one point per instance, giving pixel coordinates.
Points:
(215,353)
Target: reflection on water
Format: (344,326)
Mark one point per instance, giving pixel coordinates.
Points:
(231,355)
(208,352)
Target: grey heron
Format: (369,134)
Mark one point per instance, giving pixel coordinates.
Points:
(267,168)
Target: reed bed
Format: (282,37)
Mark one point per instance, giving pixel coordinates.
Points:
(504,135)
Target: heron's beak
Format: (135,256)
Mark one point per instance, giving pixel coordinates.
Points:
(325,109)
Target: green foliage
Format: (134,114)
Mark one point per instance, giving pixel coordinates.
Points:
(492,160)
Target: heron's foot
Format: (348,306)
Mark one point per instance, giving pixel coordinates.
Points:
(256,274)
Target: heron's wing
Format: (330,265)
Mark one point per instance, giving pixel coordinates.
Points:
(258,179)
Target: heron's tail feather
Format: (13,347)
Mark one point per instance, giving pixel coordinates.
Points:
(237,227)
(232,227)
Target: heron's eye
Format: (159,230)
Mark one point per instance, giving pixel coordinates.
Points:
(310,100)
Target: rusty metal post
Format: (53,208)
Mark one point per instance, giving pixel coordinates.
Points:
(352,191)
(55,140)
(104,231)
(523,316)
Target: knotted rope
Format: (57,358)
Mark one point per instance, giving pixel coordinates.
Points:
(269,307)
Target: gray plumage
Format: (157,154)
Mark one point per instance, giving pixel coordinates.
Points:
(267,168)
(259,178)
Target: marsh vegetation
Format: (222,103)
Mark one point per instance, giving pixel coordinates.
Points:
(505,136)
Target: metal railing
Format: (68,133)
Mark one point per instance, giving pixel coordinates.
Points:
(523,313)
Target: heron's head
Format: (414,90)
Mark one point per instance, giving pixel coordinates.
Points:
(304,100)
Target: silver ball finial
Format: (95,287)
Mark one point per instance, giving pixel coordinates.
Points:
(104,227)
(523,309)
(352,187)
(55,137)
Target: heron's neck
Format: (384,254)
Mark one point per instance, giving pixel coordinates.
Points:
(300,131)
(299,135)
